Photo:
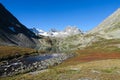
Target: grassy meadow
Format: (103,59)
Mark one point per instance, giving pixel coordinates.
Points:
(99,61)
(8,52)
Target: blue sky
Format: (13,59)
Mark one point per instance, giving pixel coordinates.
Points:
(47,14)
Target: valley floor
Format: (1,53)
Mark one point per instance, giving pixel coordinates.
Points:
(91,65)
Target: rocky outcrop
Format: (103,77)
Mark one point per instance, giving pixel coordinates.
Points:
(46,44)
(76,42)
(12,32)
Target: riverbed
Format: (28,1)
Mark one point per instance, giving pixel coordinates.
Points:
(32,63)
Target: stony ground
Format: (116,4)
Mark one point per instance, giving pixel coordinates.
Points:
(104,66)
(95,70)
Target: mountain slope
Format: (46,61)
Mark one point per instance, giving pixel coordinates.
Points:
(12,32)
(110,27)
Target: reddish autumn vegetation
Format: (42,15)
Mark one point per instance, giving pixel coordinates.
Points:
(96,56)
(87,55)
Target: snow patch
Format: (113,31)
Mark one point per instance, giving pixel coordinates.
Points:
(70,30)
(12,28)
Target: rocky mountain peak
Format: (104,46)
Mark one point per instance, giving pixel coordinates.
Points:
(69,31)
(73,30)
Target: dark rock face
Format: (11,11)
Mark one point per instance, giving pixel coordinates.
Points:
(12,32)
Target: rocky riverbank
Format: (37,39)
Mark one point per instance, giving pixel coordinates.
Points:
(32,63)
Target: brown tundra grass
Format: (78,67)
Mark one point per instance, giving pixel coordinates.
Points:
(7,52)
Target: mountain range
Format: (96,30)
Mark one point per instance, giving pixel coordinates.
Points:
(69,31)
(13,33)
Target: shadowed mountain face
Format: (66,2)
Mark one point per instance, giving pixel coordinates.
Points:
(12,32)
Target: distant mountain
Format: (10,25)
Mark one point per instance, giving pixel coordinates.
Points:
(39,32)
(12,32)
(69,31)
(110,27)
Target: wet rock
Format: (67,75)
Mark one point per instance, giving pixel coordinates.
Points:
(26,65)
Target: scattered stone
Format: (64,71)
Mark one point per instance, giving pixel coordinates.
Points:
(85,79)
(37,72)
(76,69)
(95,71)
(23,66)
(118,72)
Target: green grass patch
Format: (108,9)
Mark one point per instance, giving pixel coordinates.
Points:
(107,70)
